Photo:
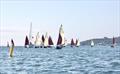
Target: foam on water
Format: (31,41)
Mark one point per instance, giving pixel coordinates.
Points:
(82,60)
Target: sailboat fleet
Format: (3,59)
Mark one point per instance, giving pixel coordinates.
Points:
(47,42)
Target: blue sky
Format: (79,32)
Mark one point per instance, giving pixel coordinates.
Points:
(84,19)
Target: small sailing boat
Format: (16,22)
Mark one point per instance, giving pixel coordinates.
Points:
(113,42)
(50,42)
(61,39)
(65,44)
(92,43)
(8,44)
(26,42)
(42,41)
(37,41)
(31,44)
(46,41)
(72,42)
(11,48)
(77,43)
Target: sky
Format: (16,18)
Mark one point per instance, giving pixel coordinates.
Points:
(83,19)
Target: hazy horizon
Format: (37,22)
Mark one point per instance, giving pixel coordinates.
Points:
(81,19)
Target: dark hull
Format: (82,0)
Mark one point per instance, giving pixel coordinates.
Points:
(59,47)
(36,46)
(112,46)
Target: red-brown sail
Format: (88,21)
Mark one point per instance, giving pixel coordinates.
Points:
(59,40)
(72,42)
(12,42)
(50,42)
(43,39)
(26,41)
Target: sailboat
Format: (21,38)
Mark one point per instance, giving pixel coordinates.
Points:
(61,39)
(113,42)
(11,48)
(65,44)
(72,42)
(50,42)
(92,43)
(46,41)
(37,41)
(42,41)
(31,44)
(26,42)
(77,43)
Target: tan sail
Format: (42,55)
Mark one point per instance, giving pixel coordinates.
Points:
(46,40)
(37,41)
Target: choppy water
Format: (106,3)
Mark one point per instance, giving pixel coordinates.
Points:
(82,60)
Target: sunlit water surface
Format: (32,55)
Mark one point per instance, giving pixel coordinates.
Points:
(81,60)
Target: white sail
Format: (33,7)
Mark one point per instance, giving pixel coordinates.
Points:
(65,42)
(46,40)
(31,39)
(30,33)
(78,43)
(62,34)
(37,41)
(92,43)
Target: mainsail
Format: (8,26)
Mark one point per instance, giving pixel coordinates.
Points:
(37,41)
(50,41)
(30,37)
(43,39)
(92,43)
(46,40)
(59,42)
(72,42)
(62,34)
(77,42)
(26,42)
(61,38)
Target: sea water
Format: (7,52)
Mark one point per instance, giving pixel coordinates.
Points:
(76,60)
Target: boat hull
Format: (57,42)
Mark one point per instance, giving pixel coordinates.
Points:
(59,47)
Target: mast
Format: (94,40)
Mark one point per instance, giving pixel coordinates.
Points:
(30,33)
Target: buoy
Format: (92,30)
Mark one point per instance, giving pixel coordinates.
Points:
(11,48)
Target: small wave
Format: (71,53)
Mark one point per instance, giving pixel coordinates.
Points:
(115,63)
(105,72)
